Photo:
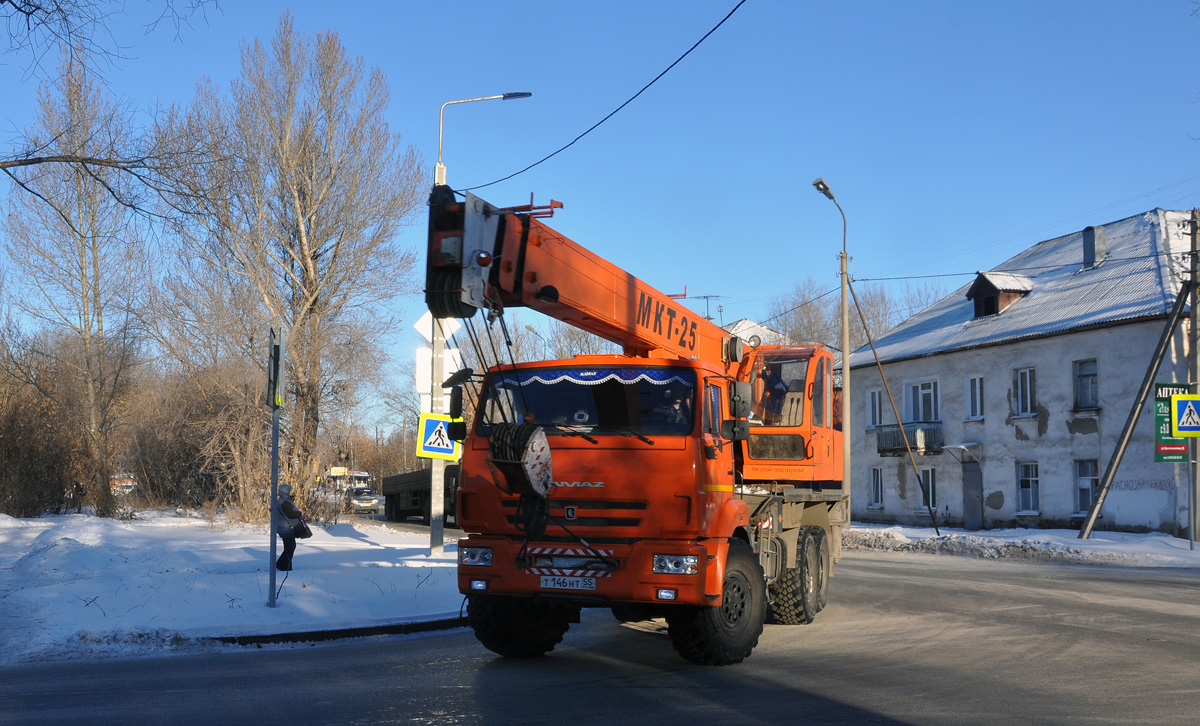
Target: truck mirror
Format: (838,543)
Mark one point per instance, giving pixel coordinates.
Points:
(456,402)
(740,394)
(735,430)
(457,430)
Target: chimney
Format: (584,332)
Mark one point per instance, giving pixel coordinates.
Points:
(1095,247)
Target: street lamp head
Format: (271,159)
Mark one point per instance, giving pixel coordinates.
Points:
(516,94)
(822,187)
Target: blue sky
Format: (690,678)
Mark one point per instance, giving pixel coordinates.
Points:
(953,134)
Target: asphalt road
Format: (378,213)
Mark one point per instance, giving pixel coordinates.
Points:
(913,639)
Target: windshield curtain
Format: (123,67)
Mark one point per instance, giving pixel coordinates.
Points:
(658,401)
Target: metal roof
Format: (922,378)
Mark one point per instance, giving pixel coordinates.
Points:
(1139,278)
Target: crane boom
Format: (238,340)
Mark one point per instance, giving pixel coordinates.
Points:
(483,256)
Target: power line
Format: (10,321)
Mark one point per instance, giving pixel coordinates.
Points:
(618,108)
(806,302)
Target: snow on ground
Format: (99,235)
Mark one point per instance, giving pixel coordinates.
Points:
(79,586)
(1031,545)
(76,585)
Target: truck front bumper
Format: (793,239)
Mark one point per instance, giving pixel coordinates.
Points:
(508,571)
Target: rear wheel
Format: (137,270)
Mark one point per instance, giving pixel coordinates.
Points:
(794,593)
(727,633)
(823,567)
(517,627)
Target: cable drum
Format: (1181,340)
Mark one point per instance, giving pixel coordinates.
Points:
(519,457)
(445,295)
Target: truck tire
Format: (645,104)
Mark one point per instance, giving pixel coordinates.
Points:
(794,593)
(726,634)
(823,567)
(517,627)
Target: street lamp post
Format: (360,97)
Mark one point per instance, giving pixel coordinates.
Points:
(822,187)
(439,171)
(437,481)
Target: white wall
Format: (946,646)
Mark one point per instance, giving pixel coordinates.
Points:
(1145,495)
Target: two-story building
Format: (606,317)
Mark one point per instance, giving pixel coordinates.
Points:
(1015,388)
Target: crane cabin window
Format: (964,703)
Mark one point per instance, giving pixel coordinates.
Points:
(779,383)
(646,401)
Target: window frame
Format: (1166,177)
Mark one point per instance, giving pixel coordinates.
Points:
(876,488)
(1093,386)
(713,412)
(875,408)
(916,401)
(928,492)
(1025,391)
(1081,478)
(973,402)
(1028,488)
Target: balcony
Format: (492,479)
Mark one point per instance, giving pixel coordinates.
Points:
(925,437)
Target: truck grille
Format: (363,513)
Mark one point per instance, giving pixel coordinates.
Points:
(588,513)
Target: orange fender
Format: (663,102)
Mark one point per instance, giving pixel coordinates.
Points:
(734,513)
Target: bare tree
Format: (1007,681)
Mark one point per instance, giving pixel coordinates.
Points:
(36,27)
(810,312)
(309,192)
(805,314)
(81,266)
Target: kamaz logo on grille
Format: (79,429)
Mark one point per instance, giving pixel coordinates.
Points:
(596,484)
(570,512)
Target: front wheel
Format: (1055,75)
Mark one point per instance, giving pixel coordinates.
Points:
(725,634)
(517,627)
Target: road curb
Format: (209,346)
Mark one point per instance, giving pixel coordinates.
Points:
(314,636)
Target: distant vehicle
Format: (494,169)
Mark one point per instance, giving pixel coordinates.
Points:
(408,494)
(363,500)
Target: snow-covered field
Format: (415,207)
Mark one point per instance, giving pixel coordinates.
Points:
(79,586)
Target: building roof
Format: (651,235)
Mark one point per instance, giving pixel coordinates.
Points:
(745,328)
(1139,278)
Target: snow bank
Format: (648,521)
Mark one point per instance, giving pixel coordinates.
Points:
(1029,545)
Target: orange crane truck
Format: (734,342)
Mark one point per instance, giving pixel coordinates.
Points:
(693,477)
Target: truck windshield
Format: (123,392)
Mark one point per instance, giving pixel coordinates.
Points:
(639,401)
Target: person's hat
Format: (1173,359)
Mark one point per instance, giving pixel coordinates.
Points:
(285,490)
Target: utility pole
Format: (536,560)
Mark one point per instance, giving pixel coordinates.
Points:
(1193,376)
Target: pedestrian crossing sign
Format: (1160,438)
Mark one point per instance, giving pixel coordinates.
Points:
(433,438)
(1185,415)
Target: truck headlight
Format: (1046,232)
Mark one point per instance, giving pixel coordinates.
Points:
(676,564)
(475,556)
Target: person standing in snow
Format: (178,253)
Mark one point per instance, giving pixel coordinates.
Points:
(288,516)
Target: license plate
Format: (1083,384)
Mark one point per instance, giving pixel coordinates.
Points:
(554,582)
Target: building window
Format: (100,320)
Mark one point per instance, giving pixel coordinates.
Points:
(1087,393)
(1087,484)
(877,486)
(924,401)
(1025,388)
(973,397)
(1027,487)
(929,488)
(875,408)
(987,305)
